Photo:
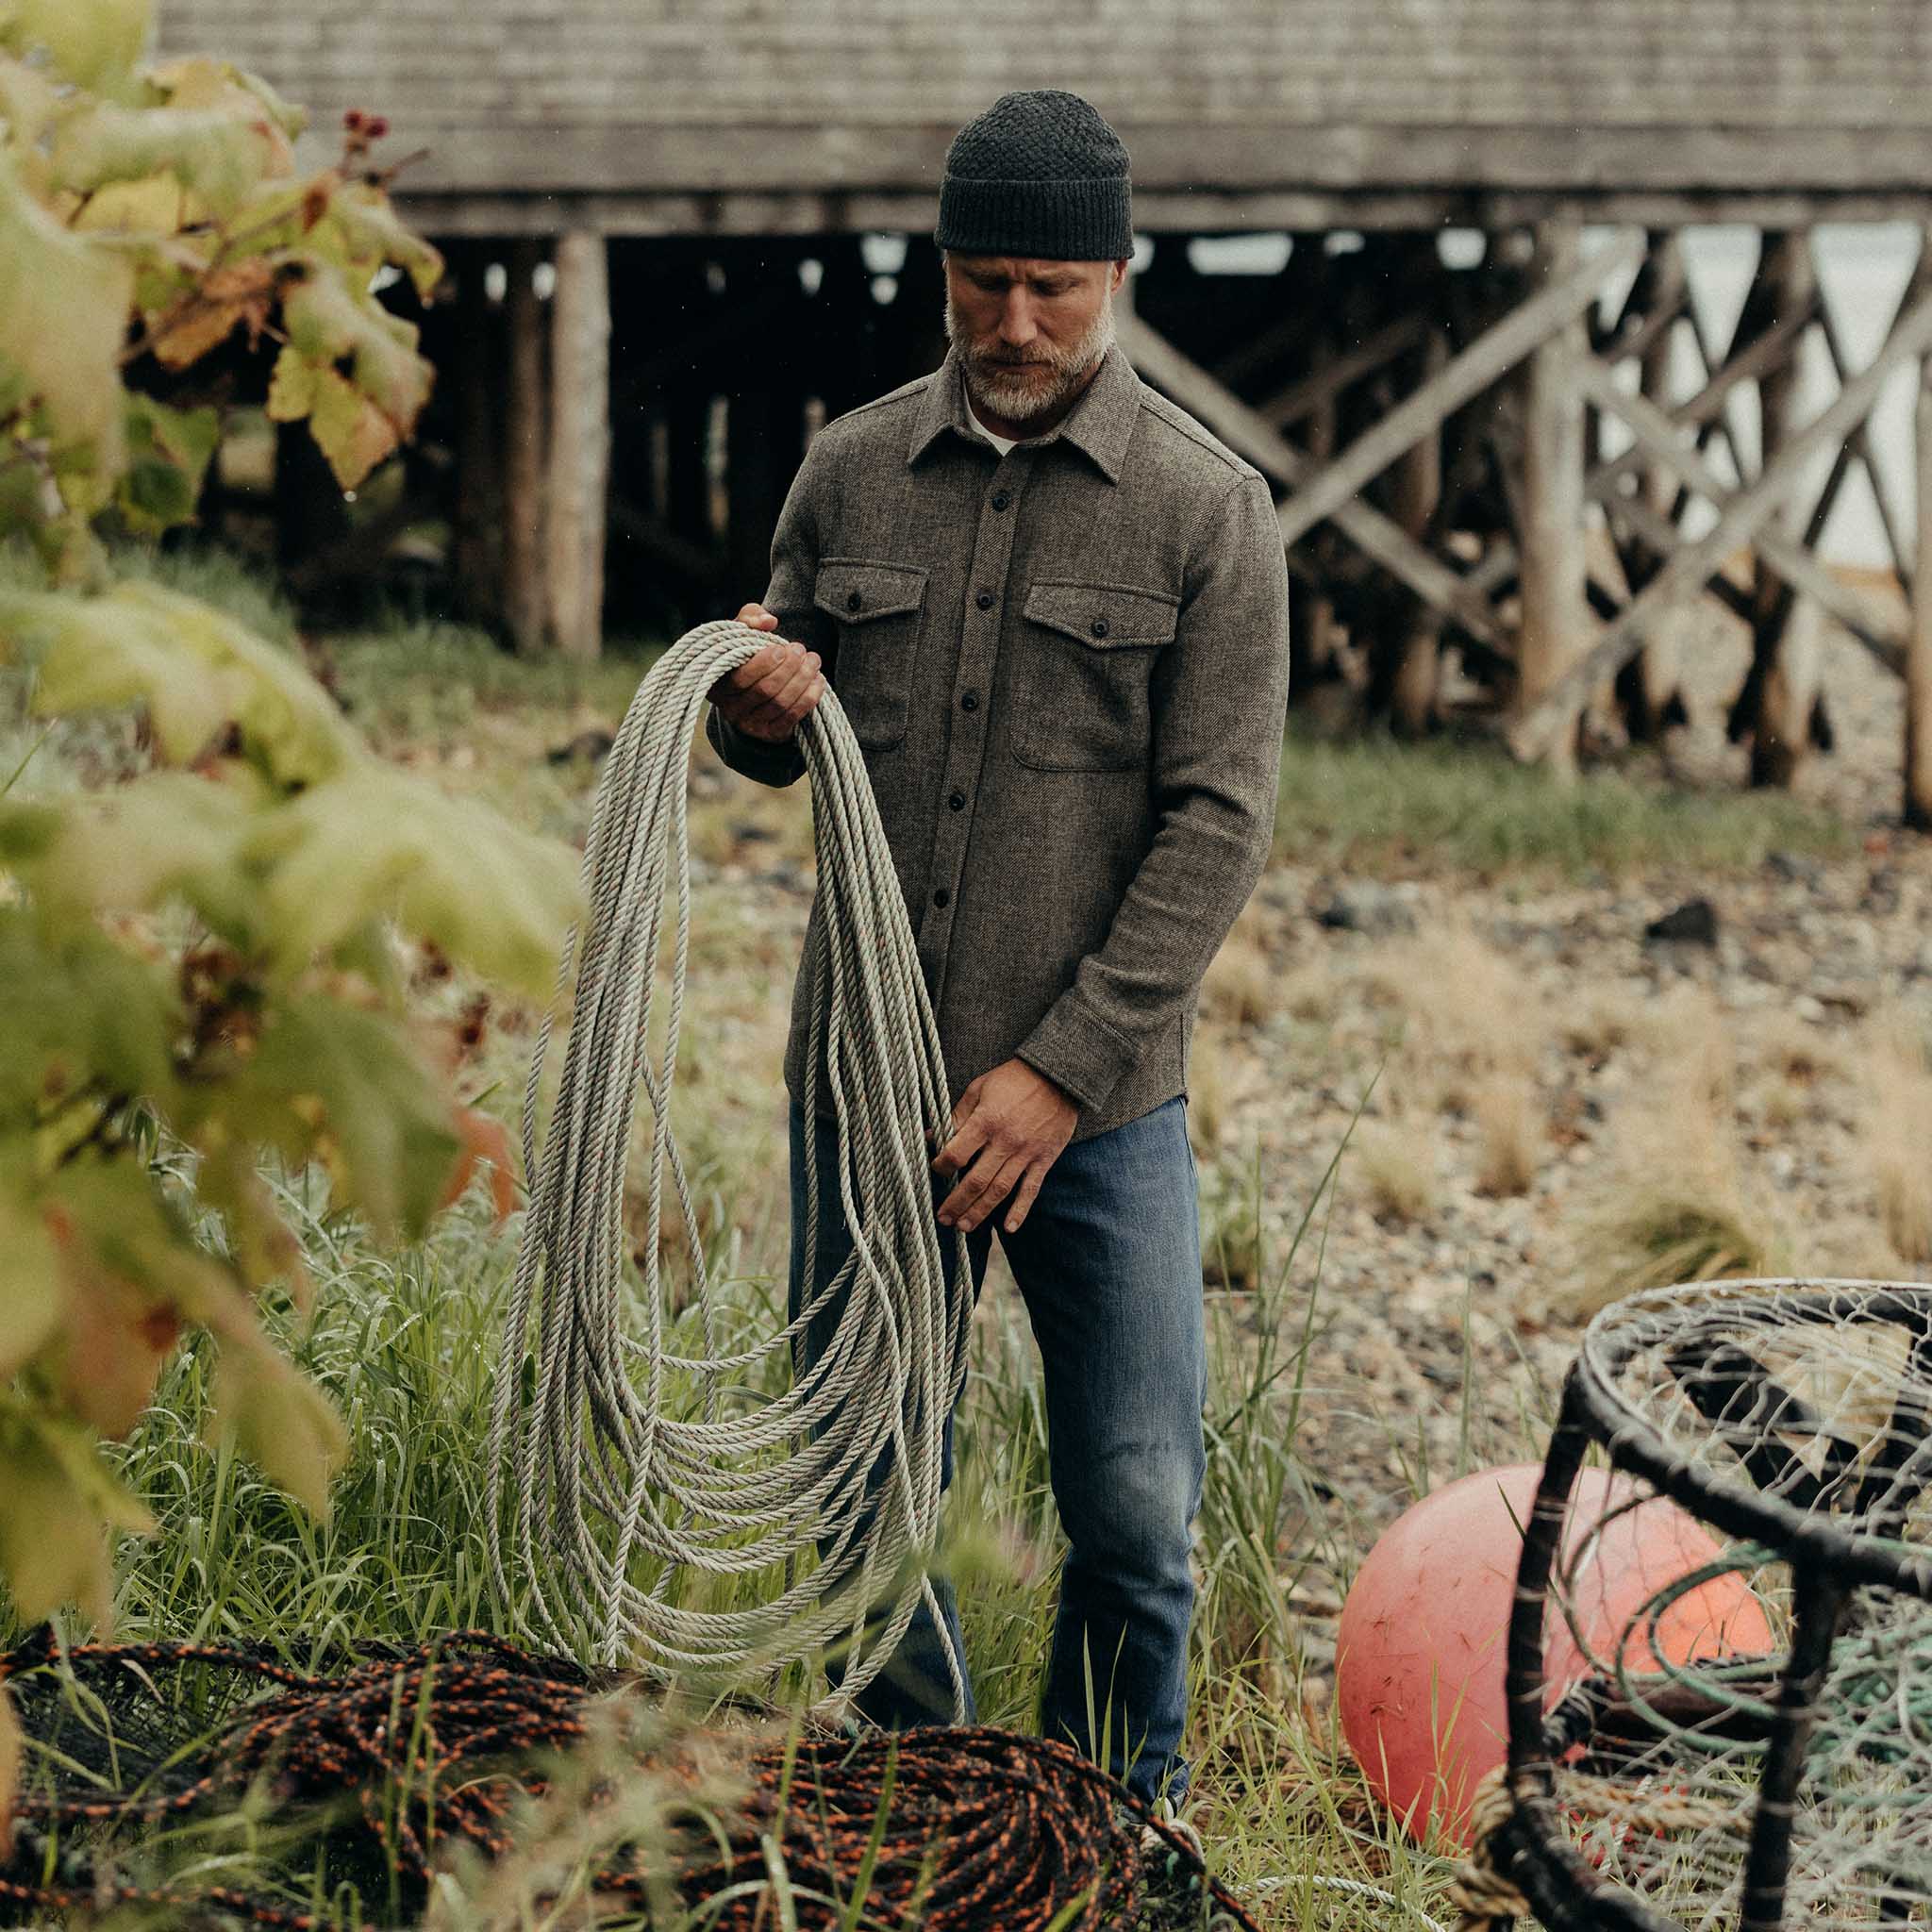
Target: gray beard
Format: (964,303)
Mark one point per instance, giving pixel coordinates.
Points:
(1021,399)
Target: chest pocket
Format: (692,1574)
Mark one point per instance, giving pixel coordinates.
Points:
(877,608)
(1081,687)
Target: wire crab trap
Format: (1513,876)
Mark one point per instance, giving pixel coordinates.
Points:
(1753,1748)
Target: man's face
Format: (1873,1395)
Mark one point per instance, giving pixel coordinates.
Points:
(1027,330)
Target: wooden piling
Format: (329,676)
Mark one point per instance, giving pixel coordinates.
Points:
(525,416)
(1783,675)
(578,470)
(1556,618)
(1918,786)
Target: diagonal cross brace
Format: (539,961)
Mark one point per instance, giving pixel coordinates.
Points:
(1250,436)
(1658,438)
(1492,353)
(1738,523)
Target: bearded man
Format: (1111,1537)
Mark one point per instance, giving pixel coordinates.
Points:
(1055,610)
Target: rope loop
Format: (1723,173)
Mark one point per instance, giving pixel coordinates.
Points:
(610,1455)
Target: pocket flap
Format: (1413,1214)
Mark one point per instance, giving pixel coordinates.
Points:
(1104,615)
(853,591)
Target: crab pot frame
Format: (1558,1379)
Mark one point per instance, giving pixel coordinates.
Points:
(1815,1471)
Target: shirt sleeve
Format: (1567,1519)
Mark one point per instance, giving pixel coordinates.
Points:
(1219,703)
(788,597)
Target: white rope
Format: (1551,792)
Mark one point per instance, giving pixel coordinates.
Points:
(622,1456)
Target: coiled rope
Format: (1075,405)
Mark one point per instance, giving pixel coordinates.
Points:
(379,1767)
(616,1449)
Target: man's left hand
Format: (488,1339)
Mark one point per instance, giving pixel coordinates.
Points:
(1008,1129)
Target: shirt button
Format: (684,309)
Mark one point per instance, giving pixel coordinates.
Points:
(1000,499)
(984,600)
(940,897)
(970,702)
(958,800)
(853,602)
(1100,627)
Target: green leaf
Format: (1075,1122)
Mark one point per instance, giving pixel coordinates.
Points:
(28,101)
(9,1769)
(95,44)
(348,428)
(292,388)
(280,1421)
(218,154)
(63,313)
(371,233)
(169,451)
(196,668)
(456,872)
(327,319)
(330,1081)
(30,1292)
(118,1223)
(77,1013)
(53,1496)
(133,848)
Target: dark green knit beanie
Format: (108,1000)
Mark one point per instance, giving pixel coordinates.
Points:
(1039,174)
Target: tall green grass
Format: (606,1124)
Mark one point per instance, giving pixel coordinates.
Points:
(1372,803)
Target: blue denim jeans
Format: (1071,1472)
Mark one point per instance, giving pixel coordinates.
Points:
(1108,1264)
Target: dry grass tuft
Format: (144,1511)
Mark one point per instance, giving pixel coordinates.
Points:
(1398,1167)
(1467,1012)
(1895,1130)
(1207,1087)
(1511,1129)
(1690,1040)
(1240,986)
(1794,1049)
(1607,1017)
(1674,1203)
(1312,991)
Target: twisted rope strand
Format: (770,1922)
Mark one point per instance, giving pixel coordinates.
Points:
(622,1450)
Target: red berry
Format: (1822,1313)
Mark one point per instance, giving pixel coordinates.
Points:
(377,127)
(353,119)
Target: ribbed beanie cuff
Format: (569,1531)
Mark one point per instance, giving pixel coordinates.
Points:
(1057,220)
(1039,173)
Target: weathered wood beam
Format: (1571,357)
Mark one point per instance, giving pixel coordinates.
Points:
(1918,759)
(1661,439)
(1859,446)
(1707,407)
(1659,535)
(525,434)
(858,154)
(1738,523)
(1774,707)
(1249,436)
(1649,686)
(1287,406)
(483,207)
(579,467)
(1489,357)
(1248,358)
(1415,685)
(1551,536)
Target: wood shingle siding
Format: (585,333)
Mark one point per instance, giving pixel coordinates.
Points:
(1566,98)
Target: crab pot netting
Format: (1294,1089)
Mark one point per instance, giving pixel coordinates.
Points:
(1757,1760)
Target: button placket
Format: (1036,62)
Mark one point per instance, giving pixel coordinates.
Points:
(986,579)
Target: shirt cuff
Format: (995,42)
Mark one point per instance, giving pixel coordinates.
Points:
(759,759)
(1079,1051)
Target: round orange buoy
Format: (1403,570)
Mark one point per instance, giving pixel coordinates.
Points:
(1419,1657)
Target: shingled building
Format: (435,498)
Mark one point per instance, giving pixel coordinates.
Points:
(657,212)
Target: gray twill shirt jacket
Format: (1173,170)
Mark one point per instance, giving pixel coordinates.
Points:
(1067,670)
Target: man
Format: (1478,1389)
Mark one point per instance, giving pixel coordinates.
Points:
(1055,610)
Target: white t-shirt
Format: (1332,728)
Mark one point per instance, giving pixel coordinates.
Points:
(1002,443)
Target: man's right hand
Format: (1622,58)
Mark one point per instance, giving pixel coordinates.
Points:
(768,694)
